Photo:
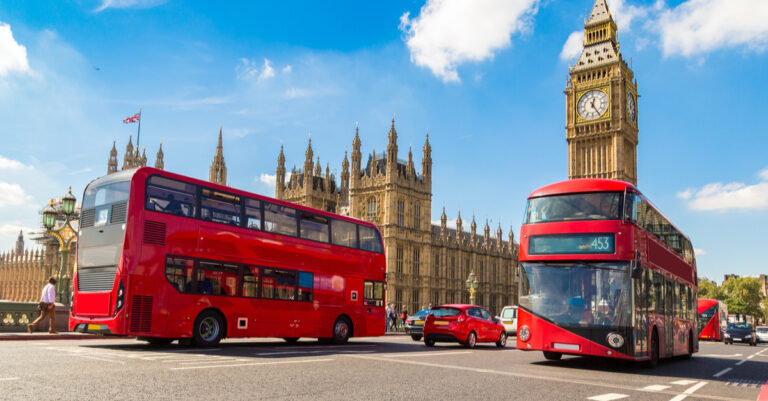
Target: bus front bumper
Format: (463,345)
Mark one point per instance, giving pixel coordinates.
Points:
(92,328)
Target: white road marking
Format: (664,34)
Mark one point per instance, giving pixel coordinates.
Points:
(251,364)
(309,347)
(432,353)
(740,362)
(689,391)
(751,356)
(655,387)
(210,358)
(684,382)
(8,378)
(100,359)
(720,355)
(228,360)
(722,372)
(608,397)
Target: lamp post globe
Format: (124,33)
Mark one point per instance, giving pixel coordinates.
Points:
(49,216)
(68,202)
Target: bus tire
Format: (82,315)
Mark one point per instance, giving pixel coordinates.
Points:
(689,355)
(502,342)
(471,340)
(653,356)
(208,329)
(416,337)
(291,340)
(342,329)
(552,356)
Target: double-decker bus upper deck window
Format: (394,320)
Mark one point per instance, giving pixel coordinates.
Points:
(278,284)
(344,233)
(178,271)
(105,194)
(279,219)
(220,207)
(253,214)
(214,278)
(314,227)
(171,196)
(251,282)
(571,207)
(370,239)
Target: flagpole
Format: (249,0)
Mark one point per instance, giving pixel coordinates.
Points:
(138,135)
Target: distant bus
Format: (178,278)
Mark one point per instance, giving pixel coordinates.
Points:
(162,256)
(604,273)
(713,319)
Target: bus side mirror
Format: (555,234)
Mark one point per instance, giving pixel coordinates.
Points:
(636,267)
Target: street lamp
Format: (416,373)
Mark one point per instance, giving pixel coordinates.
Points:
(472,285)
(64,234)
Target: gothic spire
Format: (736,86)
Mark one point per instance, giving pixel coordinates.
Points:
(600,13)
(112,163)
(218,171)
(159,162)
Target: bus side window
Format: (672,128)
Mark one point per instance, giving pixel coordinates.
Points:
(215,278)
(278,284)
(178,272)
(314,227)
(252,214)
(280,219)
(251,282)
(171,196)
(373,293)
(369,239)
(344,233)
(220,207)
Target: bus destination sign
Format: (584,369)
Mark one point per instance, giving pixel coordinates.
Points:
(571,244)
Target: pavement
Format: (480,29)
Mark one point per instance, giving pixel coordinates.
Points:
(388,367)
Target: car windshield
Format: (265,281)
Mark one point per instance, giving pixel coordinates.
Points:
(762,329)
(739,326)
(584,206)
(442,311)
(422,313)
(585,295)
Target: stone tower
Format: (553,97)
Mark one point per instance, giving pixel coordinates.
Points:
(218,171)
(309,187)
(128,158)
(20,243)
(159,162)
(601,105)
(112,164)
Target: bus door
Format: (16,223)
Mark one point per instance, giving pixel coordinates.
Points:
(669,317)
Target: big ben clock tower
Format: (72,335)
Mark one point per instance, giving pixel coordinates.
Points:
(601,105)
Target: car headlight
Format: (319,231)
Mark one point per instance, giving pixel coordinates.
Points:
(727,335)
(615,340)
(524,334)
(748,336)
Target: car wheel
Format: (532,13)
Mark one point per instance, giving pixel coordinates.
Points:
(291,340)
(502,342)
(416,337)
(341,331)
(471,340)
(208,329)
(429,342)
(552,356)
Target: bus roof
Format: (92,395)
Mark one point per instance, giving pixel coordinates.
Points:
(582,185)
(147,171)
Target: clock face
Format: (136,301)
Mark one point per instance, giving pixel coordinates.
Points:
(592,104)
(631,110)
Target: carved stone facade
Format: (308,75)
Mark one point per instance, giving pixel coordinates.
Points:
(132,157)
(601,105)
(426,264)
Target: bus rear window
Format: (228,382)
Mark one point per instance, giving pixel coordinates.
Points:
(583,206)
(106,194)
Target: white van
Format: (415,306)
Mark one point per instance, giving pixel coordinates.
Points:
(509,319)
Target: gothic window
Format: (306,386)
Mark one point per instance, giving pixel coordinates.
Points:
(399,260)
(401,212)
(398,297)
(416,216)
(437,264)
(480,272)
(371,208)
(416,262)
(435,298)
(415,300)
(453,267)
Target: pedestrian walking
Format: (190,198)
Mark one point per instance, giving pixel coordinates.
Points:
(388,311)
(47,307)
(393,317)
(403,316)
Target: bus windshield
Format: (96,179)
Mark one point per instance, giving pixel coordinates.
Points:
(582,206)
(585,295)
(706,316)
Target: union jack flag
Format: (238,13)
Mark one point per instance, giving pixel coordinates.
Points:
(132,119)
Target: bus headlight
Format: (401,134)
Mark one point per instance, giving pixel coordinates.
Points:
(524,334)
(615,340)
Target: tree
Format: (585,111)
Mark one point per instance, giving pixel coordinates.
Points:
(743,296)
(708,289)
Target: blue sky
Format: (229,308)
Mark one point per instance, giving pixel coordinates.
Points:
(484,78)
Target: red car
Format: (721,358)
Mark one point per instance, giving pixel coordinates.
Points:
(465,324)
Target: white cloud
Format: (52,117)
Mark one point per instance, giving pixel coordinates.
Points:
(268,72)
(287,68)
(293,93)
(573,46)
(735,195)
(700,26)
(10,164)
(448,33)
(249,69)
(685,194)
(13,56)
(128,4)
(699,252)
(269,179)
(13,195)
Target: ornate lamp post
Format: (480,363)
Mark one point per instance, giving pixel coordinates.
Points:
(471,287)
(65,234)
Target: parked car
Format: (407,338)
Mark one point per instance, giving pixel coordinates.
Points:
(465,324)
(740,332)
(762,334)
(509,319)
(414,325)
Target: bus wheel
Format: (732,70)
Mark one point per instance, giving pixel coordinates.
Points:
(341,331)
(471,340)
(291,340)
(502,342)
(689,355)
(653,359)
(552,356)
(208,329)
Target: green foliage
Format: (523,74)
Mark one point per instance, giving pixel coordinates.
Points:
(708,289)
(743,296)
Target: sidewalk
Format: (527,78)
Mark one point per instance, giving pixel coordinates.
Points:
(45,336)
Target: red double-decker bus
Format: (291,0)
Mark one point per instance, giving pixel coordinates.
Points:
(713,319)
(604,273)
(162,256)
